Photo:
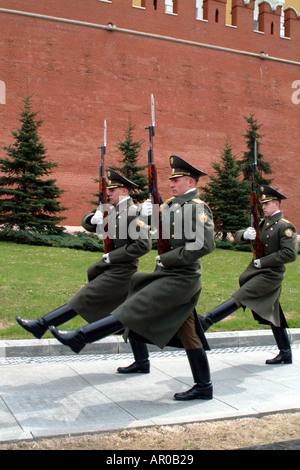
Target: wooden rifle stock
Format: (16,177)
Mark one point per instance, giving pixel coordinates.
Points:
(108,243)
(256,245)
(162,242)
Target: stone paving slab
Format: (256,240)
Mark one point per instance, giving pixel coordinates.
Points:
(83,393)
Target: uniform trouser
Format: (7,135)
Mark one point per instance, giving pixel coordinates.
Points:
(188,335)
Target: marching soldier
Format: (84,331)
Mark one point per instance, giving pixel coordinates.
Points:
(260,283)
(159,305)
(109,278)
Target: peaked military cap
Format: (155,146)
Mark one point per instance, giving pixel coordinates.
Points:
(182,168)
(269,194)
(115,180)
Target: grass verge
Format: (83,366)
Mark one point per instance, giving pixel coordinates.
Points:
(36,279)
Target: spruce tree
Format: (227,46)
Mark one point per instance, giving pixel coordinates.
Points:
(28,201)
(227,196)
(130,150)
(246,164)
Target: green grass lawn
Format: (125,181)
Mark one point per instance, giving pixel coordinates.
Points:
(35,280)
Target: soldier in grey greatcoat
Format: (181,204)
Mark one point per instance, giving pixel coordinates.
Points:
(160,307)
(109,279)
(261,282)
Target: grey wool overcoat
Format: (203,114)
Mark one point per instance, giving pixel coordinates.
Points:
(261,287)
(159,303)
(109,282)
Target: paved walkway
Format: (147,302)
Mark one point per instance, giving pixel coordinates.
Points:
(44,395)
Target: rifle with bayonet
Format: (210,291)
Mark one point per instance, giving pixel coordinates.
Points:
(162,243)
(108,243)
(256,245)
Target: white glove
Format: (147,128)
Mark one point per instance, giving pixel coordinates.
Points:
(106,258)
(97,217)
(146,208)
(249,234)
(158,262)
(257,263)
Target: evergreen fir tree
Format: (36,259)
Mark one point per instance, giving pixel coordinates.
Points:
(246,164)
(227,196)
(28,200)
(130,150)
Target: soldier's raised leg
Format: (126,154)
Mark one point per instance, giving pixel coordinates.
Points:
(39,326)
(218,313)
(77,340)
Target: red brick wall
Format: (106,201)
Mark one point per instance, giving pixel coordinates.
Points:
(81,75)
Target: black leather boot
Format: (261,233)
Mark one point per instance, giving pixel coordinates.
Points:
(39,326)
(202,389)
(141,356)
(218,314)
(77,339)
(284,346)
